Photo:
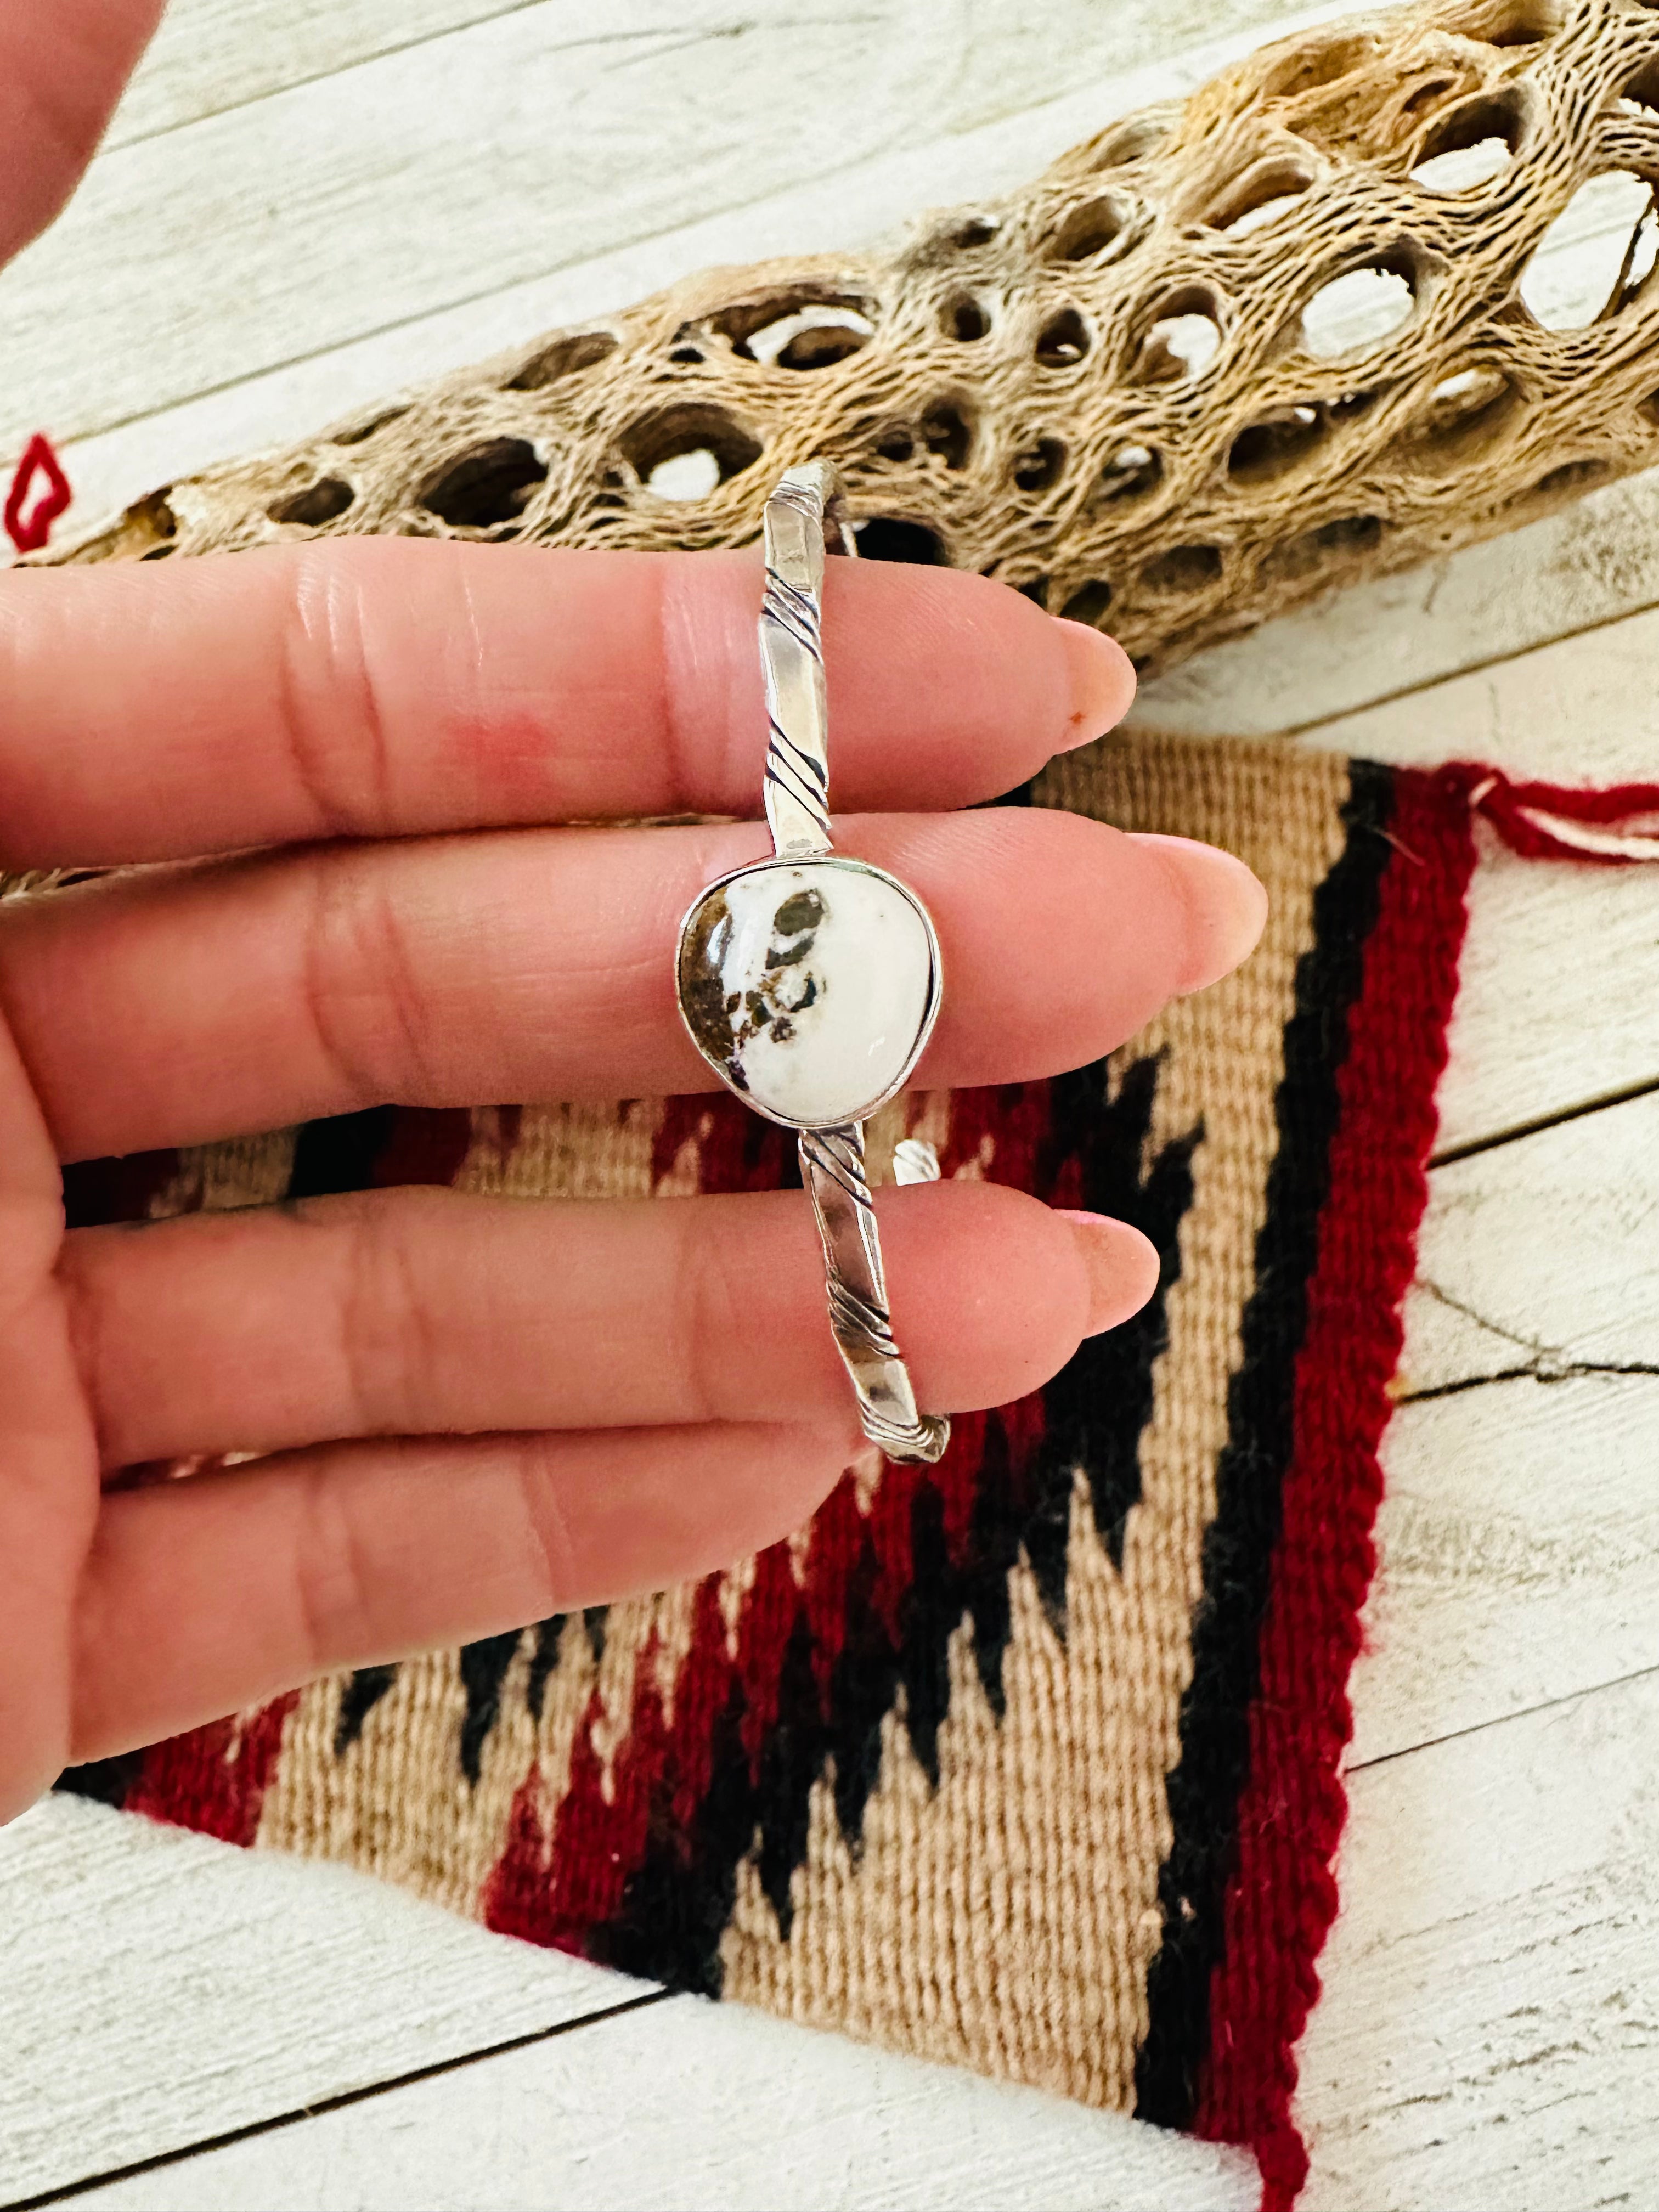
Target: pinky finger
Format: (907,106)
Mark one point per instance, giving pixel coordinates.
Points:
(217,1592)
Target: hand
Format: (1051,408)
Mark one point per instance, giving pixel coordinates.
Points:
(336,763)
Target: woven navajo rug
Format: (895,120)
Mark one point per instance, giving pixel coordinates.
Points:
(1028,1760)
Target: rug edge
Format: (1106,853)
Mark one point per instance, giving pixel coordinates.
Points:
(1282,1896)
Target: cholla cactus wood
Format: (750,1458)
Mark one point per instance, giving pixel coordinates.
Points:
(1222,355)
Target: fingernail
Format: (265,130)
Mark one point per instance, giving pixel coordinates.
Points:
(1102,683)
(1121,1264)
(1226,906)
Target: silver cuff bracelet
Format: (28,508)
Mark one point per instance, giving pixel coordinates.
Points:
(811,982)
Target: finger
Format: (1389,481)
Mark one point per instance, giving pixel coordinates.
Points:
(203,1596)
(166,1008)
(63,66)
(374,687)
(407,1312)
(48,1454)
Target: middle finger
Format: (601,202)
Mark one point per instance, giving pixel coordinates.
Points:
(172,1006)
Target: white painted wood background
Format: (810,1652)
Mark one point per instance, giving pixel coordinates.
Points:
(305,203)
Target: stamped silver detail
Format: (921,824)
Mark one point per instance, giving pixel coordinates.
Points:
(806,507)
(832,1168)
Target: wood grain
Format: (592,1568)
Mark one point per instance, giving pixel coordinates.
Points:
(1519,1535)
(425,177)
(160,1988)
(697,2106)
(1488,2035)
(1384,643)
(212,55)
(1580,709)
(988,60)
(435,174)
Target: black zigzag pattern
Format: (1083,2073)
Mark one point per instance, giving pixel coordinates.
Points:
(1238,1546)
(679,1900)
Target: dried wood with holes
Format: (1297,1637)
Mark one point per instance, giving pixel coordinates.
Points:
(1223,356)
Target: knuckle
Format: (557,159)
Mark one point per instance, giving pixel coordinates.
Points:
(333,1589)
(706,1315)
(330,708)
(359,982)
(541,1468)
(391,1340)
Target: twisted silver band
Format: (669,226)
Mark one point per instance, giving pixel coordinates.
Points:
(832,1168)
(802,514)
(805,517)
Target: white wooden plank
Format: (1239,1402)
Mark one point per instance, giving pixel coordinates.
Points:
(1555,1005)
(1518,1545)
(157,1987)
(1518,1538)
(211,55)
(422,177)
(441,172)
(693,2105)
(1579,710)
(1541,1255)
(1488,2039)
(1592,563)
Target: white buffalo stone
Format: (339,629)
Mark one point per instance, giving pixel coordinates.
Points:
(811,985)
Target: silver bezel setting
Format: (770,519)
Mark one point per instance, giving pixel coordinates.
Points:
(840,862)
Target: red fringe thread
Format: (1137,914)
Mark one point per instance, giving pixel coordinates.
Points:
(1615,826)
(29,532)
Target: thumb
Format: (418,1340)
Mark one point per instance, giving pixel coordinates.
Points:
(63,65)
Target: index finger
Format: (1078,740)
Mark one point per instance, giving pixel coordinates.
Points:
(63,65)
(373,687)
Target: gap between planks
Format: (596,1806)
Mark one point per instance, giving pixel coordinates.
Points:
(682,2102)
(318,2106)
(1569,1700)
(1488,2034)
(1475,1145)
(1518,1533)
(211,56)
(711,2108)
